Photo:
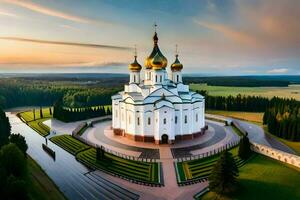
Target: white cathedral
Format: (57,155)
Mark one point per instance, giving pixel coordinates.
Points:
(158,109)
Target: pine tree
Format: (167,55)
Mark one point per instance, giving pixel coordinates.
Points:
(223,176)
(244,148)
(33,114)
(100,153)
(5,128)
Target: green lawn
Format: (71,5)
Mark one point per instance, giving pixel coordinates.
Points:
(29,116)
(69,143)
(41,186)
(285,92)
(201,168)
(37,123)
(263,178)
(134,170)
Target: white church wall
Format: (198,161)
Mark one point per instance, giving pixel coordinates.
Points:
(164,123)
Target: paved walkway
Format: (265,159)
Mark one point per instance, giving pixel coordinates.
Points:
(58,127)
(97,135)
(257,134)
(218,135)
(231,137)
(171,191)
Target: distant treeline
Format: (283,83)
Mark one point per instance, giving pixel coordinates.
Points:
(89,90)
(76,114)
(235,103)
(16,92)
(283,119)
(236,81)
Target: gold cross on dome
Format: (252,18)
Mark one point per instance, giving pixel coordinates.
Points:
(135,51)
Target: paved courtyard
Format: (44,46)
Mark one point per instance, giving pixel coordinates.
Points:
(216,136)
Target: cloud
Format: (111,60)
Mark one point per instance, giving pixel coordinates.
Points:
(8,14)
(65,43)
(229,32)
(47,11)
(69,27)
(278,71)
(55,64)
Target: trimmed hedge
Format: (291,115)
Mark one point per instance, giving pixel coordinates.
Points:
(195,170)
(37,124)
(69,143)
(129,169)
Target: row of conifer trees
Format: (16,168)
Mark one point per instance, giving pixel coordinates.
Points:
(75,114)
(282,116)
(283,119)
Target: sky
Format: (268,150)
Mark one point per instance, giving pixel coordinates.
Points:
(214,37)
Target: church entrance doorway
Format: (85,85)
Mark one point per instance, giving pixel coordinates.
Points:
(164,139)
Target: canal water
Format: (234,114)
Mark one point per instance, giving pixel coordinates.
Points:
(73,178)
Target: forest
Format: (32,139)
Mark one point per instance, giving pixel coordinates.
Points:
(16,92)
(283,119)
(236,103)
(282,116)
(79,90)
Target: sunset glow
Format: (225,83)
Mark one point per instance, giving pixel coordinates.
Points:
(247,37)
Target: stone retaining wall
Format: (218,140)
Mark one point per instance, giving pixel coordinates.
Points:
(276,154)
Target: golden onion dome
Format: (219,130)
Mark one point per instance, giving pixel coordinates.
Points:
(156,60)
(135,66)
(176,66)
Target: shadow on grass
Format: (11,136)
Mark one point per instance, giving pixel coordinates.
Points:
(260,190)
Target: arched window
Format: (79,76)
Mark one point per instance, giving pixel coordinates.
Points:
(175,119)
(185,119)
(133,78)
(165,120)
(155,78)
(149,120)
(177,78)
(160,78)
(196,117)
(138,121)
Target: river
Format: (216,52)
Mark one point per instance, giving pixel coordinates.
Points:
(73,178)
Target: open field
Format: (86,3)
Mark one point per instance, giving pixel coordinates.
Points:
(201,168)
(37,122)
(256,117)
(41,186)
(134,170)
(263,178)
(293,91)
(69,143)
